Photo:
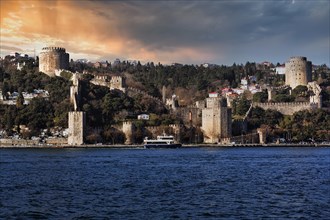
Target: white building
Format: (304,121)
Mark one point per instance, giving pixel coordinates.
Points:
(280,70)
(143,117)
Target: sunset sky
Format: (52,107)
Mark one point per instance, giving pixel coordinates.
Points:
(189,32)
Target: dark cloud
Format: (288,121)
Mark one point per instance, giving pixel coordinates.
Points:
(223,25)
(220,31)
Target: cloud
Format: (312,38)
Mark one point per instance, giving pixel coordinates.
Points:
(170,31)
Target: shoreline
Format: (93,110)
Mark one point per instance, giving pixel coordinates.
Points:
(140,146)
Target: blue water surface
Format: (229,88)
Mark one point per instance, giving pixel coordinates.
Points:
(189,183)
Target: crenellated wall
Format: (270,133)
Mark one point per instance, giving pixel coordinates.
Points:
(286,108)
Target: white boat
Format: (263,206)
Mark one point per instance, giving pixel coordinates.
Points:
(162,141)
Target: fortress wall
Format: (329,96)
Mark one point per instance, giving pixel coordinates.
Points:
(286,108)
(190,115)
(239,126)
(57,141)
(21,142)
(153,130)
(157,130)
(226,122)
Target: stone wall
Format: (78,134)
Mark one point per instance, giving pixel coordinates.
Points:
(18,142)
(242,139)
(190,115)
(286,108)
(56,141)
(239,126)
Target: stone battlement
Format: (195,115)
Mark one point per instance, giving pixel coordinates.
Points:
(286,108)
(129,123)
(286,104)
(53,58)
(297,58)
(298,71)
(53,49)
(114,78)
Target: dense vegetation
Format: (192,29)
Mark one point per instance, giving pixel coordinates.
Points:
(106,109)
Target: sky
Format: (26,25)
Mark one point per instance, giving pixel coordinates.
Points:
(187,32)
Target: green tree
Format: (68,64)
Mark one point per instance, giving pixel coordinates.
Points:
(260,96)
(20,101)
(242,106)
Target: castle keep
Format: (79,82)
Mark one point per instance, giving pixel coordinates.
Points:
(216,119)
(298,71)
(53,58)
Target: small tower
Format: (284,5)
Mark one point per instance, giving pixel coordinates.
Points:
(76,127)
(270,92)
(262,135)
(77,119)
(164,94)
(128,131)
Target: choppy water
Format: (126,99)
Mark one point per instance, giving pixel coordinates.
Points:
(196,183)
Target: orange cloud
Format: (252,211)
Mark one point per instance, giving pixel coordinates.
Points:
(84,28)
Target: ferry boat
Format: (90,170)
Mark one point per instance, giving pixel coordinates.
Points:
(162,141)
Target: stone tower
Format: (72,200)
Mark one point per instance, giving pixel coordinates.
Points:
(128,131)
(53,58)
(270,93)
(76,127)
(164,94)
(216,119)
(316,97)
(117,82)
(262,135)
(77,119)
(298,71)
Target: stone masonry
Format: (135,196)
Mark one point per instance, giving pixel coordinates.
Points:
(53,58)
(128,131)
(216,120)
(298,71)
(77,121)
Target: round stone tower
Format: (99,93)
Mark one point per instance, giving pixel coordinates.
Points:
(298,71)
(52,58)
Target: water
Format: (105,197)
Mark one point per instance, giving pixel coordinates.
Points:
(196,183)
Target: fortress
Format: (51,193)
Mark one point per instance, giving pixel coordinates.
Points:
(298,71)
(216,119)
(113,82)
(53,58)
